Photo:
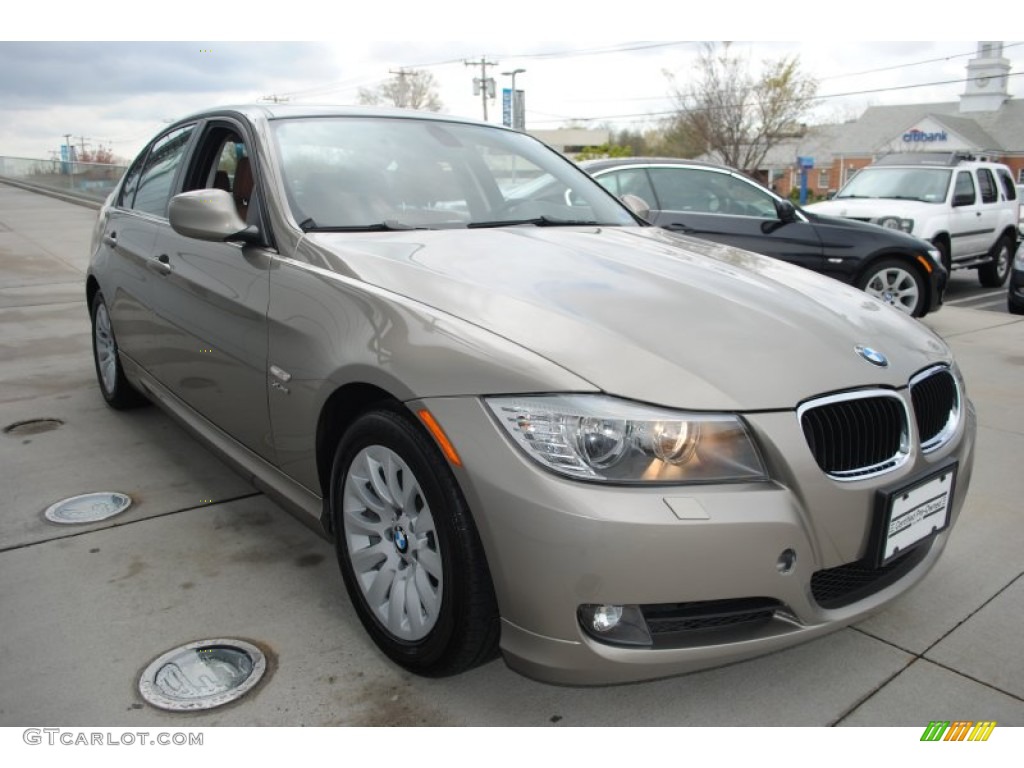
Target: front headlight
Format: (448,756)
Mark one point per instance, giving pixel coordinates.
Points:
(605,439)
(895,222)
(1018,260)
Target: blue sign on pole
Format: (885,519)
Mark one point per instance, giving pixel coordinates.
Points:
(805,164)
(506,107)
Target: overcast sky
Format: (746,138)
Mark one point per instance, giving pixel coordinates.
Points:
(119,94)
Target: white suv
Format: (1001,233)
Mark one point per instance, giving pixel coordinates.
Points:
(966,207)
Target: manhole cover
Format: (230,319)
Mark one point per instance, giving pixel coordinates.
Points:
(88,508)
(31,427)
(202,675)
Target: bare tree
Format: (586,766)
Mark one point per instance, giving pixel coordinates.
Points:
(409,88)
(736,115)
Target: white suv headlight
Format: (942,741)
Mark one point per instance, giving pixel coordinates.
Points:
(605,439)
(895,222)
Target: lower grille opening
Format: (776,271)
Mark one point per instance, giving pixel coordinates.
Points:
(846,584)
(672,619)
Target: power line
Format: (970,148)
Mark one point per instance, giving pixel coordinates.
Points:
(665,113)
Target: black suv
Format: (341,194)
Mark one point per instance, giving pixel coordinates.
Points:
(718,203)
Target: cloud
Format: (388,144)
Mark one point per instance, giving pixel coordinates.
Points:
(42,75)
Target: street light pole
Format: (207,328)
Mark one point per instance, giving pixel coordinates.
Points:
(513,74)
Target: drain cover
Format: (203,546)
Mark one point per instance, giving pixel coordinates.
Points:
(88,508)
(32,427)
(202,675)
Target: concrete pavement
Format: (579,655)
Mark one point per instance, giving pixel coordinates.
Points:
(201,554)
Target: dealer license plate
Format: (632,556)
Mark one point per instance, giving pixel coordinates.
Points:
(916,513)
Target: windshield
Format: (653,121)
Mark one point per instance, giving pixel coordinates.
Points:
(928,185)
(371,174)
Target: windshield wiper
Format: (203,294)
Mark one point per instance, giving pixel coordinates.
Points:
(388,225)
(537,221)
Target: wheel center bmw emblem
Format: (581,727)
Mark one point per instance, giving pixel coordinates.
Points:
(873,356)
(401,541)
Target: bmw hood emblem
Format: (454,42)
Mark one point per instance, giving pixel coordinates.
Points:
(873,356)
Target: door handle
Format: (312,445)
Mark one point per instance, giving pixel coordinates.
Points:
(110,239)
(161,264)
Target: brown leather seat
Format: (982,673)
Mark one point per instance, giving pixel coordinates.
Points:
(221,181)
(243,187)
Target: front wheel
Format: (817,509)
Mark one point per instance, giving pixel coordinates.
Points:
(994,274)
(409,552)
(897,284)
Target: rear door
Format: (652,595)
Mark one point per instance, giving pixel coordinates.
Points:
(968,233)
(129,239)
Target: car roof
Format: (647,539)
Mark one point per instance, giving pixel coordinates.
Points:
(283,111)
(620,162)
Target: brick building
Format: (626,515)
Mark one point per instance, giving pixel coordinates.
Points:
(986,121)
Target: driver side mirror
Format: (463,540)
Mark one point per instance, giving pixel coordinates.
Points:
(209,214)
(786,211)
(637,205)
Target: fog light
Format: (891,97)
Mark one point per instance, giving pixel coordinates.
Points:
(606,617)
(615,624)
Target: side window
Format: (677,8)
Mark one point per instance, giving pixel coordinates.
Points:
(158,175)
(741,198)
(1008,187)
(964,187)
(685,189)
(632,181)
(131,183)
(987,185)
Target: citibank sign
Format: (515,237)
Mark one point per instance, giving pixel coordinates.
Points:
(918,135)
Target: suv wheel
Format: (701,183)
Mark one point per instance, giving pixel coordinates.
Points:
(897,284)
(994,274)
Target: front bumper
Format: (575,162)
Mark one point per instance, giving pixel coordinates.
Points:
(554,544)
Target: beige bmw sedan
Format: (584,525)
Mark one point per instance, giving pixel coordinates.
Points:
(531,425)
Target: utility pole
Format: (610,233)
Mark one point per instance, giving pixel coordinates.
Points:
(403,87)
(483,85)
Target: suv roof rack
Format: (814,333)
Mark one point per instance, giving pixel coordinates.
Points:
(944,159)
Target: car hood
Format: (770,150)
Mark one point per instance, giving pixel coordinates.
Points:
(867,208)
(646,314)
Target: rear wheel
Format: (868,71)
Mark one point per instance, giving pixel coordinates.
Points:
(408,550)
(896,283)
(114,387)
(994,274)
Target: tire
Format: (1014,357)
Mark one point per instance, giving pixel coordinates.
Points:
(943,248)
(114,387)
(399,518)
(1014,304)
(994,274)
(897,283)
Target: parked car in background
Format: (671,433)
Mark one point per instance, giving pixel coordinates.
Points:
(716,203)
(1015,295)
(534,425)
(969,209)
